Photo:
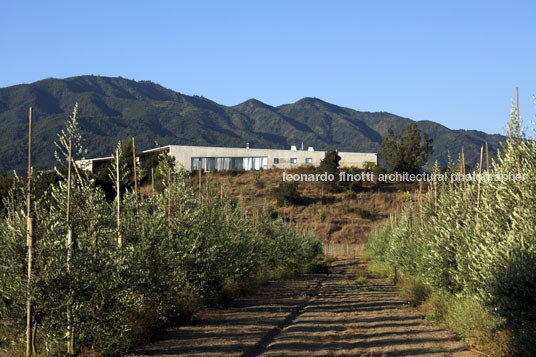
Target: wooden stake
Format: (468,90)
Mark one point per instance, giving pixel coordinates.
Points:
(30,346)
(518,127)
(29,243)
(70,342)
(420,202)
(518,122)
(34,338)
(518,142)
(199,169)
(29,188)
(169,202)
(206,191)
(135,174)
(152,183)
(118,188)
(462,169)
(487,158)
(77,173)
(68,208)
(478,189)
(70,317)
(435,194)
(72,161)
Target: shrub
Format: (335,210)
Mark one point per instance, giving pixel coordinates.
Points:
(415,291)
(287,193)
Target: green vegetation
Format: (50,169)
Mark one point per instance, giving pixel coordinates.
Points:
(287,193)
(5,184)
(473,244)
(406,152)
(330,165)
(414,290)
(177,253)
(112,109)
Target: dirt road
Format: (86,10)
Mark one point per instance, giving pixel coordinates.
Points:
(315,315)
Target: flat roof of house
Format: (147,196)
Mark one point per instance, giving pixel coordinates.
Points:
(244,148)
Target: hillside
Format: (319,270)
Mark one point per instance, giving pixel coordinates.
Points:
(342,217)
(116,108)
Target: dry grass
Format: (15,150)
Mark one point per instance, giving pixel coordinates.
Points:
(345,217)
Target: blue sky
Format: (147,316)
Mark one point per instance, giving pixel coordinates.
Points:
(453,62)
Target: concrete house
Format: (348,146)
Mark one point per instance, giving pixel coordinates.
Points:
(221,158)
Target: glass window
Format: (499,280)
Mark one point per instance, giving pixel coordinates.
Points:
(237,163)
(226,163)
(293,160)
(276,160)
(308,160)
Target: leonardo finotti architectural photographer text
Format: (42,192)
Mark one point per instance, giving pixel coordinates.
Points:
(401,177)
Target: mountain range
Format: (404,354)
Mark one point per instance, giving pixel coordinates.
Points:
(115,108)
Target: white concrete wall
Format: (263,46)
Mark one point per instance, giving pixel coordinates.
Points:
(183,156)
(351,158)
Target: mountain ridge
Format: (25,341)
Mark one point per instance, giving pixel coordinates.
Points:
(115,108)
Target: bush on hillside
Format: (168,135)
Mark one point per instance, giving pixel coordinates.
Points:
(287,193)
